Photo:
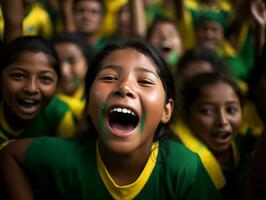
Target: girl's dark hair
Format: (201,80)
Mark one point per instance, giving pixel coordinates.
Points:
(34,44)
(78,40)
(202,54)
(193,86)
(163,71)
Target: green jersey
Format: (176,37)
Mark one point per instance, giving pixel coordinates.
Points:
(67,169)
(55,119)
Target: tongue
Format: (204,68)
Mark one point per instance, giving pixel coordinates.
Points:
(122,127)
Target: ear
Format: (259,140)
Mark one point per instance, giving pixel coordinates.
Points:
(167,111)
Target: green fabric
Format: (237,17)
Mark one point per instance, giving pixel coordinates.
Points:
(67,169)
(236,178)
(208,15)
(237,67)
(45,123)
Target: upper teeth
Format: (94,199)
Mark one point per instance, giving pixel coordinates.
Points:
(29,101)
(123,110)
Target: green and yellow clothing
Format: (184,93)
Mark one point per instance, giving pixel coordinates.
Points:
(72,169)
(36,21)
(251,122)
(110,19)
(75,102)
(55,119)
(220,177)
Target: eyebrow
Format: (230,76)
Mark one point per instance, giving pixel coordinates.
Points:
(138,69)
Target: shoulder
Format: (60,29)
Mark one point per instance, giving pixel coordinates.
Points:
(57,150)
(178,158)
(57,105)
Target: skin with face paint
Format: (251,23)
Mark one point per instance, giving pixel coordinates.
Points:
(209,34)
(128,89)
(27,85)
(215,116)
(166,39)
(88,16)
(72,65)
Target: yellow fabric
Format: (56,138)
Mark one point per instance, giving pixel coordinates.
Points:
(75,102)
(242,37)
(186,28)
(5,138)
(251,120)
(67,126)
(37,22)
(110,19)
(4,124)
(208,159)
(225,49)
(127,192)
(220,5)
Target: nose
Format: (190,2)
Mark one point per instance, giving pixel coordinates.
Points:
(221,118)
(125,88)
(65,69)
(31,86)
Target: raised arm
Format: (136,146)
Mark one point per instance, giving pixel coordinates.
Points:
(258,12)
(66,13)
(137,18)
(14,182)
(13,18)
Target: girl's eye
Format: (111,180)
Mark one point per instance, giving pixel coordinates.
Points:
(71,60)
(46,79)
(146,82)
(207,111)
(109,78)
(17,76)
(232,110)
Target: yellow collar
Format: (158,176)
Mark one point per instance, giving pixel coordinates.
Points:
(130,191)
(209,161)
(4,123)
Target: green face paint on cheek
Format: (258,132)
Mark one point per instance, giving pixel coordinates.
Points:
(142,123)
(102,117)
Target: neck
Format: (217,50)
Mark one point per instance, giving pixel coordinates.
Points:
(125,169)
(225,158)
(13,120)
(91,38)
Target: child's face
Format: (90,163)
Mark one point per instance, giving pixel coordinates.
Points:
(28,84)
(166,39)
(88,16)
(209,34)
(215,116)
(127,101)
(73,67)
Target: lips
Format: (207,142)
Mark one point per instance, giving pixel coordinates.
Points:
(222,137)
(122,121)
(29,106)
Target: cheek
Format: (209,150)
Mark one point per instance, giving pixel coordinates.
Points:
(48,91)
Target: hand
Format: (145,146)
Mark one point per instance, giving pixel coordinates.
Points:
(258,12)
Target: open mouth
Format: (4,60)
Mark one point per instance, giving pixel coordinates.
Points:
(222,137)
(166,47)
(28,103)
(122,120)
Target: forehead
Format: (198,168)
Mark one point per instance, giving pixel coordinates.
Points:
(37,60)
(87,4)
(219,92)
(210,24)
(66,47)
(165,26)
(129,58)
